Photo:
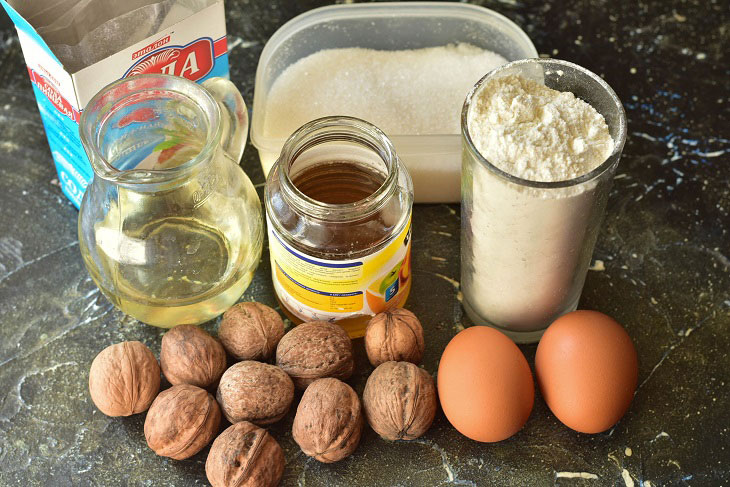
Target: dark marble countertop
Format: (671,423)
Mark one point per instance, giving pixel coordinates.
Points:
(664,247)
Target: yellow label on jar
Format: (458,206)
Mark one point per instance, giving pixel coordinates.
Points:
(319,289)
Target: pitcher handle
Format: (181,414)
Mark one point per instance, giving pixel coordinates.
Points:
(234,115)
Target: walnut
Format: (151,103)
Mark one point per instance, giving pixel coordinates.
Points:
(400,400)
(245,455)
(189,355)
(124,379)
(255,392)
(329,420)
(394,335)
(315,350)
(181,421)
(251,331)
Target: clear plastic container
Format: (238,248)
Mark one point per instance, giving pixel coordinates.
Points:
(389,26)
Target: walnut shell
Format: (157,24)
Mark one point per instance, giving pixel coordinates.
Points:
(329,420)
(394,335)
(315,350)
(124,379)
(181,421)
(400,400)
(251,331)
(245,455)
(255,392)
(189,355)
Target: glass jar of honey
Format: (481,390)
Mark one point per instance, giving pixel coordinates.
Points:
(338,205)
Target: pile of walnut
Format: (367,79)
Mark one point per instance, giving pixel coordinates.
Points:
(399,401)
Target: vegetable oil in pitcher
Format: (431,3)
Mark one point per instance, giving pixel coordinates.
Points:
(170,229)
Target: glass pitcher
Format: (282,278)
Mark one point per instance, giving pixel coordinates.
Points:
(170,229)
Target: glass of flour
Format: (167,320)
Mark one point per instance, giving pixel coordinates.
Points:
(541,142)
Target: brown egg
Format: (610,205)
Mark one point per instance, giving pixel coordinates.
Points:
(587,369)
(485,385)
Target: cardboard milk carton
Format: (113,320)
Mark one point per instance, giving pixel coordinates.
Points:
(194,47)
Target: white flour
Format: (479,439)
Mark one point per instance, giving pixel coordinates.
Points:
(407,92)
(526,250)
(531,131)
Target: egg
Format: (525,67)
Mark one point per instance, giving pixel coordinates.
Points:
(485,385)
(587,370)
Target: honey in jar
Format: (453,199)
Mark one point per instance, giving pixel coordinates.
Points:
(338,204)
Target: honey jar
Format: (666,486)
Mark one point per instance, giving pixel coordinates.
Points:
(338,206)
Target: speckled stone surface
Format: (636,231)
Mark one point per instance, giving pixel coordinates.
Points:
(664,272)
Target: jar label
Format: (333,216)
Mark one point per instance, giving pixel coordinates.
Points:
(317,289)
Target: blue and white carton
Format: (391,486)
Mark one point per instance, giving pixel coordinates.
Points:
(194,48)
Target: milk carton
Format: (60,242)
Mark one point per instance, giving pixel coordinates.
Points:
(193,47)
